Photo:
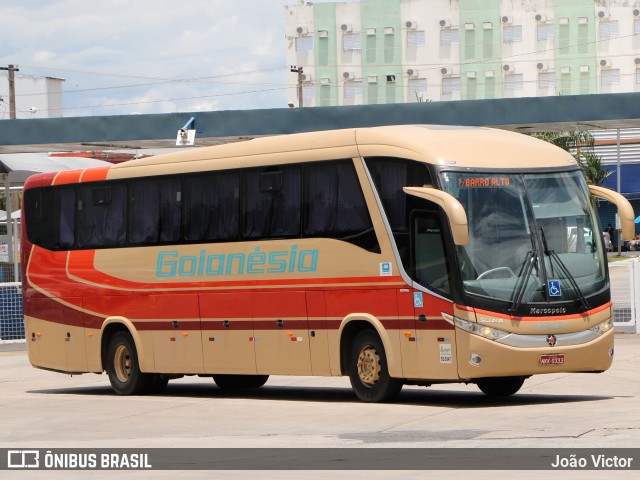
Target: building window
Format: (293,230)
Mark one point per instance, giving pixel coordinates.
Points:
(450,85)
(546,80)
(351,42)
(308,91)
(449,36)
(415,38)
(417,89)
(608,29)
(512,33)
(304,44)
(513,82)
(352,89)
(610,76)
(636,26)
(638,76)
(546,32)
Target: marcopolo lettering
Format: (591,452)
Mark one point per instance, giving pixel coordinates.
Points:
(172,264)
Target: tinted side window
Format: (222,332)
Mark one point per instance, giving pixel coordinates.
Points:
(212,207)
(335,206)
(50,216)
(272,200)
(389,176)
(101,215)
(155,211)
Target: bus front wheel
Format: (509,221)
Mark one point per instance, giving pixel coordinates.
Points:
(368,370)
(500,386)
(238,382)
(123,367)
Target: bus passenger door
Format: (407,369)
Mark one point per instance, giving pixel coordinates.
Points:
(430,269)
(281,329)
(227,333)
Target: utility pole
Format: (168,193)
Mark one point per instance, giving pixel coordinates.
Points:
(12,90)
(299,71)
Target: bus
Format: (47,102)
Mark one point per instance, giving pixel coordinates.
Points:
(395,255)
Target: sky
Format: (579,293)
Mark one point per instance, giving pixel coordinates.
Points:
(151,56)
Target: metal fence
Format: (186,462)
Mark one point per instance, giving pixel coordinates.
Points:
(625,282)
(11,316)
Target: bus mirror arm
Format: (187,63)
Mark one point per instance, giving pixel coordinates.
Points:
(452,208)
(624,209)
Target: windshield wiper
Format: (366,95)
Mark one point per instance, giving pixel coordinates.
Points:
(523,276)
(553,255)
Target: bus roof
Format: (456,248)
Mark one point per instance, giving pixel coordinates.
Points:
(455,146)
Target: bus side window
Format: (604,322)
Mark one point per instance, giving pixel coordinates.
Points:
(271,203)
(155,214)
(212,207)
(335,206)
(429,266)
(101,215)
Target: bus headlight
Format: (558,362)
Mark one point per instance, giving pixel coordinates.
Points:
(603,328)
(480,330)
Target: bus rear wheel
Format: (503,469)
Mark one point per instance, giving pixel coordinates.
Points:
(368,370)
(123,367)
(500,386)
(239,382)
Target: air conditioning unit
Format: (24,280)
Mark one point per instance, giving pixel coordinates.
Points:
(540,18)
(508,68)
(372,79)
(469,26)
(564,21)
(412,72)
(487,25)
(371,31)
(302,30)
(449,71)
(325,81)
(388,30)
(603,15)
(391,78)
(305,77)
(542,66)
(346,27)
(636,61)
(445,23)
(583,20)
(489,74)
(471,74)
(411,24)
(565,70)
(584,68)
(507,19)
(636,12)
(605,63)
(348,75)
(323,34)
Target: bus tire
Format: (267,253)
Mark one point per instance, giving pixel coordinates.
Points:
(500,386)
(239,382)
(368,369)
(123,367)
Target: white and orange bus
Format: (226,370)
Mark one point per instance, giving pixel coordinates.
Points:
(394,255)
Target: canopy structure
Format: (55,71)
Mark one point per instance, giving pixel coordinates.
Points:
(16,168)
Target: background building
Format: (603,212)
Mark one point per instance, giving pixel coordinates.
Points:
(390,51)
(36,97)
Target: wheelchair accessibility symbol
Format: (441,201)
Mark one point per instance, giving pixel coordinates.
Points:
(554,288)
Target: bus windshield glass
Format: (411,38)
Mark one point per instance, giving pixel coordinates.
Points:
(532,237)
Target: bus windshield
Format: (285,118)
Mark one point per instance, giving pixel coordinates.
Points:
(532,237)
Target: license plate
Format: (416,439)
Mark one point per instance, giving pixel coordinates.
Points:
(554,359)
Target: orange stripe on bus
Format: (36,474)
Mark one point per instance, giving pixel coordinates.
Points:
(67,177)
(551,316)
(94,174)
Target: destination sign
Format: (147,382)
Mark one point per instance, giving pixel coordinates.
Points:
(484,182)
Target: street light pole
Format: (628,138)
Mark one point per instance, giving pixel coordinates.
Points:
(299,71)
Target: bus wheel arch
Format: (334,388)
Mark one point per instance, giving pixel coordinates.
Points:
(351,326)
(123,367)
(113,325)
